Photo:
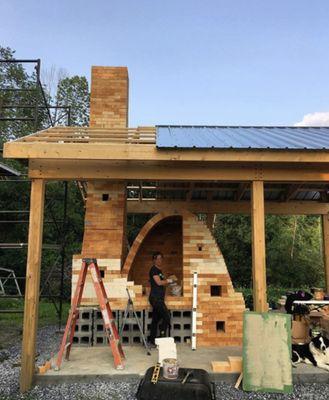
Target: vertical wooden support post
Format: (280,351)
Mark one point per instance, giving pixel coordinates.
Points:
(325,244)
(258,246)
(31,306)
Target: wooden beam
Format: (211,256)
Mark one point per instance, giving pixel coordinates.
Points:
(32,284)
(325,242)
(88,169)
(258,246)
(149,152)
(227,207)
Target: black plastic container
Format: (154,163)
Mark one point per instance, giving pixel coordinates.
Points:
(196,387)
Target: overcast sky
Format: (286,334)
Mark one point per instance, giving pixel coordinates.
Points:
(216,62)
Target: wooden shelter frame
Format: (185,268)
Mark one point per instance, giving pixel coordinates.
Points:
(130,154)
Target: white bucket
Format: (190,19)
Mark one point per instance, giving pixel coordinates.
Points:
(170,368)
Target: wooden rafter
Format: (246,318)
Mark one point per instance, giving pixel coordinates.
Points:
(241,190)
(91,135)
(291,191)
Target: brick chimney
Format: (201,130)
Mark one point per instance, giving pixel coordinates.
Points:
(109,97)
(105,217)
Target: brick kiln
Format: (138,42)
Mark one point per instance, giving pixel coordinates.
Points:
(185,241)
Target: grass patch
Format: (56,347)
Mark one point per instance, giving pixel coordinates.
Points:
(11,324)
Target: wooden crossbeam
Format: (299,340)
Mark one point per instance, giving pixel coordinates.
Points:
(227,207)
(90,169)
(144,152)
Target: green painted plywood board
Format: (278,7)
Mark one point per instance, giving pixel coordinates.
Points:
(267,352)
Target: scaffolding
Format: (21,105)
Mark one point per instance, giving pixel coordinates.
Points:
(34,105)
(38,102)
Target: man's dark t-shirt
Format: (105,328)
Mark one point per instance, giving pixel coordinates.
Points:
(156,290)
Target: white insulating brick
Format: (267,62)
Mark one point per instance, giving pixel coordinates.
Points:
(120,281)
(111,264)
(117,291)
(76,263)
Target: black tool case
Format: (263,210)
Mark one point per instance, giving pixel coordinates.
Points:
(196,387)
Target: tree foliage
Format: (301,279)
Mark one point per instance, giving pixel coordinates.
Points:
(74,92)
(293,249)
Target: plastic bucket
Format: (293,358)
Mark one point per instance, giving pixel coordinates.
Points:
(170,368)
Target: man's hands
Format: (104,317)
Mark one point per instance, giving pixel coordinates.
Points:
(172,279)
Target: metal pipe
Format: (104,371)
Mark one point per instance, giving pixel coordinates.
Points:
(12,60)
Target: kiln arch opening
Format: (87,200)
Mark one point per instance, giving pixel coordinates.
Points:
(165,236)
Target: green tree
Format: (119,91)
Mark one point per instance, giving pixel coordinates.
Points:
(293,249)
(74,92)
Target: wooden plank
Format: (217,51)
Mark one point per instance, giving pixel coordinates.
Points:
(267,352)
(128,170)
(20,149)
(32,283)
(228,207)
(325,241)
(258,246)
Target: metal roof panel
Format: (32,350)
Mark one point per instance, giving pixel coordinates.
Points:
(239,137)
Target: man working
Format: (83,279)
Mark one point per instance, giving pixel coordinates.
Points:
(156,298)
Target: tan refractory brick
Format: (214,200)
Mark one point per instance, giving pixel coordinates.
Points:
(109,97)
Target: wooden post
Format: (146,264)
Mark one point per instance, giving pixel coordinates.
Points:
(32,283)
(258,246)
(325,241)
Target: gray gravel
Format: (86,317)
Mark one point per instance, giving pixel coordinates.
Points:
(48,341)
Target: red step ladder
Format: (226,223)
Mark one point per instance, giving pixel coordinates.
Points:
(109,324)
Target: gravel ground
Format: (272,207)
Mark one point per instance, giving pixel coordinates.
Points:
(48,341)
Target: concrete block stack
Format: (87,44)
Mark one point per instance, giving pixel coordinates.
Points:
(83,335)
(181,326)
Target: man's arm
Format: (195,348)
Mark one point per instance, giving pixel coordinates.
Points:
(159,282)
